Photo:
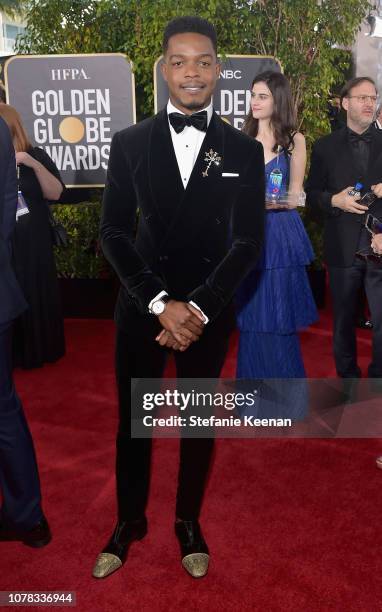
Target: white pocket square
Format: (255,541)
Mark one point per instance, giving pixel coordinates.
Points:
(230,174)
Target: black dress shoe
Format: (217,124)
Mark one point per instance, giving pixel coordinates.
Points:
(36,537)
(115,552)
(193,548)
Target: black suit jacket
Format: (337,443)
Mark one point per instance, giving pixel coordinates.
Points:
(196,243)
(332,169)
(12,302)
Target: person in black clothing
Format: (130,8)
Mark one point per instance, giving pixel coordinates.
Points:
(21,515)
(340,160)
(39,331)
(199,185)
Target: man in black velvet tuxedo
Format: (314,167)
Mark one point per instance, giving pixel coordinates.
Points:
(21,516)
(200,231)
(340,160)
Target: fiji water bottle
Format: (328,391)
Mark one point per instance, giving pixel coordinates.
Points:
(274,182)
(356,191)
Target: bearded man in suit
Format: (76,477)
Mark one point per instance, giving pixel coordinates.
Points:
(199,186)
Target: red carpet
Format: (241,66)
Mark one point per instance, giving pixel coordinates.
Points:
(292,524)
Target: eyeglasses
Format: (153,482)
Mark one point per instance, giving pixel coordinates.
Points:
(364,99)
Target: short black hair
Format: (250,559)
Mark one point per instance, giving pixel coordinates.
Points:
(183,25)
(345,91)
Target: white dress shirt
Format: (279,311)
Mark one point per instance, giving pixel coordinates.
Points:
(186,147)
(187,143)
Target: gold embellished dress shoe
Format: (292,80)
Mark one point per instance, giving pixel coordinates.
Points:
(193,548)
(115,552)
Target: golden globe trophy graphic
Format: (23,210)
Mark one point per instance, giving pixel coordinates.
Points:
(71,130)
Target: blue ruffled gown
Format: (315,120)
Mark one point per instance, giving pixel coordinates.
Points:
(275,300)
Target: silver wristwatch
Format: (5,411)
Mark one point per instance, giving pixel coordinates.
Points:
(158,307)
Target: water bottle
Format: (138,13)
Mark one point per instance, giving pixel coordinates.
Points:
(274,185)
(356,190)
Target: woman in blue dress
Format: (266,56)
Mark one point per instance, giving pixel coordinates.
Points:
(276,301)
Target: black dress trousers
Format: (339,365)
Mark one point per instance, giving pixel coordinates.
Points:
(345,284)
(138,355)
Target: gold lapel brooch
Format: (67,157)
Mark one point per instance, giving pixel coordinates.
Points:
(211,158)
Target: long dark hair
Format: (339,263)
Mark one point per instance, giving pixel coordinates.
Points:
(283,119)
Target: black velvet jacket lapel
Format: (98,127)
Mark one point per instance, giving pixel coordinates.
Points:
(168,193)
(193,200)
(199,186)
(164,177)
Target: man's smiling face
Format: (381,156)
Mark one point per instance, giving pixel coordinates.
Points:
(191,70)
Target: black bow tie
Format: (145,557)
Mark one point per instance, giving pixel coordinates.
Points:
(179,121)
(355,138)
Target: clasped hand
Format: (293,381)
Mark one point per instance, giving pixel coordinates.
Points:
(182,324)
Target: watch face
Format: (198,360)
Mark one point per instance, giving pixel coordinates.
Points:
(158,307)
